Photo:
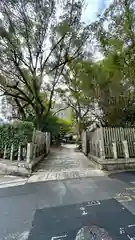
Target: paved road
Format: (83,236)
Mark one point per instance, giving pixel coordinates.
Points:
(46,211)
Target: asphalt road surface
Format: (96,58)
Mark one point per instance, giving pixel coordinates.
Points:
(57,210)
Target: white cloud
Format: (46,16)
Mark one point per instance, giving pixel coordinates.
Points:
(93,8)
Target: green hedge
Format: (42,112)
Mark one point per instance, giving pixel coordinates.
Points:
(15,133)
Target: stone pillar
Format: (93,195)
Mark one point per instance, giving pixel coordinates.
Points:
(47,142)
(34,151)
(84,142)
(5,152)
(29,152)
(125,148)
(101,149)
(34,134)
(19,153)
(114,148)
(101,137)
(11,152)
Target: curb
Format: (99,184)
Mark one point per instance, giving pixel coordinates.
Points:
(14,170)
(14,183)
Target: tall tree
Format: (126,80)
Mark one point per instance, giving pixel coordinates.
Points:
(112,96)
(114,80)
(73,93)
(36,42)
(116,35)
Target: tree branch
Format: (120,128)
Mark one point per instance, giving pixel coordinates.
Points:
(43,36)
(23,10)
(60,110)
(54,47)
(21,109)
(22,75)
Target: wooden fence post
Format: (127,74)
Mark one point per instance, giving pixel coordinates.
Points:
(125,148)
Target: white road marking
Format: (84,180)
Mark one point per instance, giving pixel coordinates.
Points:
(10,176)
(92,203)
(24,235)
(131,238)
(83,211)
(82,208)
(130,189)
(59,237)
(123,197)
(131,225)
(122,230)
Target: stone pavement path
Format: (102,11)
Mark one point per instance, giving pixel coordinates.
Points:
(64,163)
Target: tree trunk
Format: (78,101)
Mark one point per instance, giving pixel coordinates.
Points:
(39,117)
(79,135)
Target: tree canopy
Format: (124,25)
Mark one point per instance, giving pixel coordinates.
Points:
(47,52)
(116,37)
(36,43)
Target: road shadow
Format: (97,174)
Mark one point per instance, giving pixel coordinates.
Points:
(64,222)
(127,176)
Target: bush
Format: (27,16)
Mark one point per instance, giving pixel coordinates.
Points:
(56,126)
(15,133)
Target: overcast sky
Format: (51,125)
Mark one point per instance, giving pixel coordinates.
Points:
(95,7)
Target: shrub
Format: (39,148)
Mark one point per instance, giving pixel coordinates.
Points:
(15,133)
(56,126)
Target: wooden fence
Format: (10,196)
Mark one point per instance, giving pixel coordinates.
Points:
(110,143)
(31,151)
